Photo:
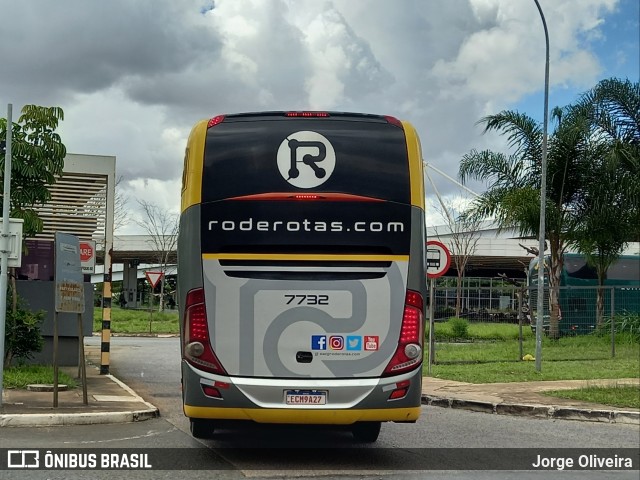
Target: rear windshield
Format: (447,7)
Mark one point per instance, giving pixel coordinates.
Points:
(248,156)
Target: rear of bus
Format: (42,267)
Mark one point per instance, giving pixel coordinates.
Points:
(301,271)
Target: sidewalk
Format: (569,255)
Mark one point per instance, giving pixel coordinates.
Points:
(111,401)
(526,399)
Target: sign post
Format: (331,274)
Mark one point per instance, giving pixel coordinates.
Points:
(153,278)
(4,238)
(438,262)
(69,293)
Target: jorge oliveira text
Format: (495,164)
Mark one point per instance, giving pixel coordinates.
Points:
(589,461)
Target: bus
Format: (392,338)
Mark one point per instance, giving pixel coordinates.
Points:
(578,292)
(301,271)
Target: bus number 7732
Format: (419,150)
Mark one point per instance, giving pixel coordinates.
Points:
(307,299)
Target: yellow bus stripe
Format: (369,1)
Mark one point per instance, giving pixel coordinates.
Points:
(416,168)
(304,257)
(303,416)
(192,169)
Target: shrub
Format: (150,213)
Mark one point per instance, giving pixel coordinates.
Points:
(459,327)
(22,334)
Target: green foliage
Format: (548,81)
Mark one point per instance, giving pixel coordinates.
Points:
(459,327)
(624,396)
(23,375)
(593,163)
(133,322)
(627,325)
(37,160)
(608,213)
(482,332)
(22,334)
(569,358)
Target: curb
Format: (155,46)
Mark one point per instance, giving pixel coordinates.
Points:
(64,419)
(536,411)
(138,398)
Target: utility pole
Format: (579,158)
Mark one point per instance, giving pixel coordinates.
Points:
(4,243)
(543,201)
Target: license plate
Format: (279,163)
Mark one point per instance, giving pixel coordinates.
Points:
(305,397)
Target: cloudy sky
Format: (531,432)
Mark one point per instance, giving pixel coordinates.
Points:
(134,76)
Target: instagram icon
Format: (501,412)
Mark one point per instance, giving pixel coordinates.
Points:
(336,342)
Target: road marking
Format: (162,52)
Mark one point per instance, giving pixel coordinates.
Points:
(150,434)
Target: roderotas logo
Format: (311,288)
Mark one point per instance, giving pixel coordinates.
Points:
(306,159)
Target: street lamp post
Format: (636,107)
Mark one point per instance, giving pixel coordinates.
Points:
(543,198)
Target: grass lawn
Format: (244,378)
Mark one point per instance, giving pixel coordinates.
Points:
(618,396)
(23,375)
(483,331)
(138,322)
(569,358)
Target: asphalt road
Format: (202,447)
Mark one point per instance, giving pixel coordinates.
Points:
(442,439)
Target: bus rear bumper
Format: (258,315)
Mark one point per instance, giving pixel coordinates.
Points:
(306,417)
(345,401)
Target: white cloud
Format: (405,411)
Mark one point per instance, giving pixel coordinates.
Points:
(133,77)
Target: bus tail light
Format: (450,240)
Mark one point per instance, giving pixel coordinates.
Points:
(307,114)
(409,351)
(212,392)
(197,343)
(215,121)
(400,390)
(393,121)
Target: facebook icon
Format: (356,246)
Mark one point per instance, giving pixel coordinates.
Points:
(318,342)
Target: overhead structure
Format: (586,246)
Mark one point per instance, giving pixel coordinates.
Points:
(82,199)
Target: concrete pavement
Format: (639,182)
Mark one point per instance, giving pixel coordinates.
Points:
(111,401)
(527,399)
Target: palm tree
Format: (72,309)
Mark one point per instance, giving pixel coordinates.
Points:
(609,210)
(613,109)
(513,194)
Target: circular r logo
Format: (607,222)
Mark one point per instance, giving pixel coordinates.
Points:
(306,159)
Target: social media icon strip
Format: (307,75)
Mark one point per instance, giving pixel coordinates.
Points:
(349,343)
(354,342)
(318,342)
(336,342)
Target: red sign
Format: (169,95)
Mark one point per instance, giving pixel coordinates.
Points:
(87,255)
(86,251)
(154,278)
(438,259)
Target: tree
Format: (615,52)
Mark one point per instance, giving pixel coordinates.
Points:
(162,228)
(37,160)
(464,237)
(613,108)
(609,211)
(121,215)
(513,194)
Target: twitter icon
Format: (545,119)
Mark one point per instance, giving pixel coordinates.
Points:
(354,342)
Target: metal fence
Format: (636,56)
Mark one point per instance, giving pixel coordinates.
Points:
(583,311)
(485,303)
